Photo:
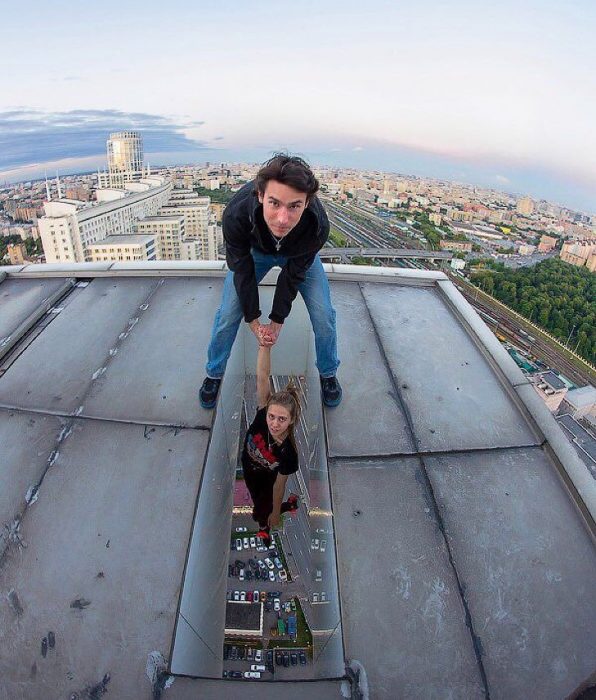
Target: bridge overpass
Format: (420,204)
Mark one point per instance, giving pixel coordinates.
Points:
(345,254)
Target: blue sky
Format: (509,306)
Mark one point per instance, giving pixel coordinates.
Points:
(498,94)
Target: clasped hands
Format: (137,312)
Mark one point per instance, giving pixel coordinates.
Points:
(266,333)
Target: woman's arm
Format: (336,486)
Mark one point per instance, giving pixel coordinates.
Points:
(279,488)
(263,372)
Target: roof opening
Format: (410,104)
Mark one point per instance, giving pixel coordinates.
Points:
(272,612)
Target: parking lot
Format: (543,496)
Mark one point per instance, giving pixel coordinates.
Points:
(258,575)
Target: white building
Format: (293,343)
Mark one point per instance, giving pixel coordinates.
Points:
(124,248)
(69,227)
(125,159)
(168,232)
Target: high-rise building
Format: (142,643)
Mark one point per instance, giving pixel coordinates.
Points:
(125,159)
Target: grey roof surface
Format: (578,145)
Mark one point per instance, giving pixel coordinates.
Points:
(463,521)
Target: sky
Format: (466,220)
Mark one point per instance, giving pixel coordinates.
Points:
(502,95)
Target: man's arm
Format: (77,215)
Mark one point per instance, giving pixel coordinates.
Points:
(279,488)
(291,276)
(242,264)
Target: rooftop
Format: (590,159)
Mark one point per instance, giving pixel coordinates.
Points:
(463,518)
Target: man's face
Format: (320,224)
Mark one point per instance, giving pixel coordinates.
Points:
(282,207)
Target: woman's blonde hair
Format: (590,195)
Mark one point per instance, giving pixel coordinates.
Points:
(289,398)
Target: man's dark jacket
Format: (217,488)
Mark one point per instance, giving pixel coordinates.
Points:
(244,228)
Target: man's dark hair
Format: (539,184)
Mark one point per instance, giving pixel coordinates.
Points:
(292,171)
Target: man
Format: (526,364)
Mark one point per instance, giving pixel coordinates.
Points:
(275,220)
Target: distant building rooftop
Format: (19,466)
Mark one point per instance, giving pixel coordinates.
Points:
(463,518)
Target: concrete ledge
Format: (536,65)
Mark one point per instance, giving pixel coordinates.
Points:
(347,271)
(574,470)
(477,326)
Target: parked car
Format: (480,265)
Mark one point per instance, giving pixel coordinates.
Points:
(236,674)
(253,543)
(277,605)
(250,652)
(241,529)
(271,576)
(323,597)
(238,545)
(255,596)
(242,596)
(277,562)
(241,575)
(263,596)
(278,658)
(258,667)
(248,575)
(236,596)
(259,655)
(286,658)
(315,597)
(245,543)
(293,605)
(249,596)
(282,575)
(294,658)
(239,564)
(262,564)
(269,563)
(252,674)
(318,575)
(315,543)
(302,658)
(323,545)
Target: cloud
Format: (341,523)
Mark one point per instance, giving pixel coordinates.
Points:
(29,136)
(502,179)
(358,148)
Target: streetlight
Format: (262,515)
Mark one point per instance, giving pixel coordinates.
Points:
(570,334)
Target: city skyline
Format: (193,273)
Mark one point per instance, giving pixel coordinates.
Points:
(501,99)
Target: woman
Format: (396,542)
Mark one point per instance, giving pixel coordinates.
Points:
(269,455)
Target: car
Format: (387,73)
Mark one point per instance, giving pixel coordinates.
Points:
(268,606)
(236,596)
(245,543)
(262,564)
(239,564)
(255,596)
(318,575)
(286,659)
(323,545)
(224,674)
(241,652)
(242,596)
(277,605)
(315,543)
(241,575)
(294,658)
(252,674)
(241,529)
(270,658)
(287,607)
(282,575)
(258,667)
(263,596)
(269,563)
(302,658)
(315,597)
(261,548)
(238,545)
(258,655)
(249,596)
(253,543)
(230,570)
(250,652)
(252,563)
(293,605)
(248,575)
(233,653)
(226,653)
(229,595)
(277,562)
(236,674)
(271,576)
(272,545)
(323,597)
(278,658)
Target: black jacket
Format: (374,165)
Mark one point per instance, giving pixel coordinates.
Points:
(244,228)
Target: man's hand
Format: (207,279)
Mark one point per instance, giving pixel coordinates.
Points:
(274,520)
(261,333)
(272,331)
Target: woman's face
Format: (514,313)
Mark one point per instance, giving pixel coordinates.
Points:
(278,420)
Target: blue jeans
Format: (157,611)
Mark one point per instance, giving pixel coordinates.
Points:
(316,295)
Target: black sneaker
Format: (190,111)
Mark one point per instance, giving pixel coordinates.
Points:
(208,393)
(331,391)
